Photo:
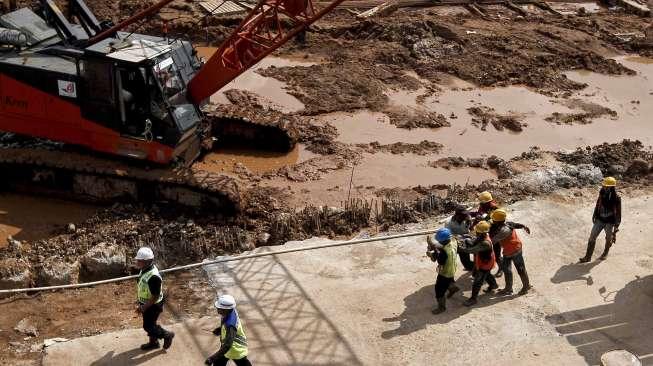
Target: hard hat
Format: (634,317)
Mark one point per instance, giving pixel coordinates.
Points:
(482,227)
(499,215)
(461,209)
(226,302)
(145,254)
(485,197)
(443,235)
(609,182)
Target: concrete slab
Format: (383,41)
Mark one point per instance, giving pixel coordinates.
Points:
(370,304)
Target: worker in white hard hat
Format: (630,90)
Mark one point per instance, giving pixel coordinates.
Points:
(232,335)
(150,300)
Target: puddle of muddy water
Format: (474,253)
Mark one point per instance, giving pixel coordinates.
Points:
(380,170)
(32,218)
(619,93)
(639,60)
(224,159)
(271,89)
(573,8)
(630,96)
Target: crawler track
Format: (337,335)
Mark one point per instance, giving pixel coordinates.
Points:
(75,175)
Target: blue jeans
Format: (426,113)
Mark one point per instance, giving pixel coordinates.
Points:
(600,226)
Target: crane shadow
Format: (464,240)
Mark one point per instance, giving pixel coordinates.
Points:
(284,325)
(623,322)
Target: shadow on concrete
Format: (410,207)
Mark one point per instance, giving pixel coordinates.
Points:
(417,314)
(623,322)
(135,356)
(575,272)
(284,326)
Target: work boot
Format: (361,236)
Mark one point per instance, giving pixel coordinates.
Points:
(152,344)
(606,250)
(442,306)
(508,289)
(526,283)
(167,340)
(452,290)
(491,288)
(474,299)
(588,253)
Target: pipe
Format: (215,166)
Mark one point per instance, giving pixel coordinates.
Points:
(222,260)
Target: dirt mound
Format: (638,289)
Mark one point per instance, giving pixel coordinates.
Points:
(334,87)
(415,118)
(423,148)
(612,159)
(175,238)
(590,112)
(482,116)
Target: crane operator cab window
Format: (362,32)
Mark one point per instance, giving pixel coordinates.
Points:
(133,100)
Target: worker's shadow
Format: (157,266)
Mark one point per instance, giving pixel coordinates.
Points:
(417,314)
(132,357)
(575,272)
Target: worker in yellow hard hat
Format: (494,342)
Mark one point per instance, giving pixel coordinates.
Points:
(481,247)
(504,233)
(606,217)
(486,206)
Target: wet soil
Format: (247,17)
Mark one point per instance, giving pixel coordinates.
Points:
(90,311)
(32,218)
(483,116)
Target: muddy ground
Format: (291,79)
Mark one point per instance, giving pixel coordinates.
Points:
(396,120)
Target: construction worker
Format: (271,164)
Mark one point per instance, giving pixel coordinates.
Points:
(459,225)
(487,205)
(484,260)
(150,300)
(443,252)
(232,336)
(505,234)
(606,217)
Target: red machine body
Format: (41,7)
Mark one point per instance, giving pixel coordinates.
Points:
(132,95)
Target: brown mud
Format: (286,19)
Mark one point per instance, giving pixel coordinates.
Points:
(483,116)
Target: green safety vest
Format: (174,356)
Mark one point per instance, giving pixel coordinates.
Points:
(143,292)
(238,348)
(449,268)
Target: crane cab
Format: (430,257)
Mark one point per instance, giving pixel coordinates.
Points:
(125,95)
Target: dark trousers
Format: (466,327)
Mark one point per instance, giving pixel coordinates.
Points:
(465,259)
(150,317)
(497,255)
(481,277)
(222,361)
(518,259)
(442,285)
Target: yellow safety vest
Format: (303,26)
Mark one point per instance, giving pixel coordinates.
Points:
(143,291)
(449,268)
(238,348)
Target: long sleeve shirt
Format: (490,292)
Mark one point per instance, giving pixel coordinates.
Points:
(459,227)
(477,245)
(504,231)
(608,212)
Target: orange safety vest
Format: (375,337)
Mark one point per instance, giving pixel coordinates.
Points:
(487,263)
(512,244)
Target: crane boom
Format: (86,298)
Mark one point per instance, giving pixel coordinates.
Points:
(266,28)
